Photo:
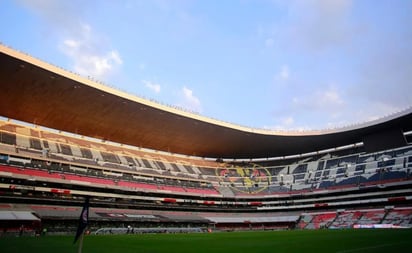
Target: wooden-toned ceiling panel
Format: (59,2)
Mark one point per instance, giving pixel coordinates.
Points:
(37,93)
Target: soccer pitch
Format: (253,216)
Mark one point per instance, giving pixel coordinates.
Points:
(340,241)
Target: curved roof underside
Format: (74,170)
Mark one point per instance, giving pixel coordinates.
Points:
(39,93)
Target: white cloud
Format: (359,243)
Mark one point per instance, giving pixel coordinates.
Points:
(61,15)
(322,24)
(327,99)
(71,43)
(334,44)
(115,57)
(87,59)
(316,25)
(142,66)
(151,85)
(269,42)
(87,51)
(288,121)
(190,101)
(316,106)
(374,111)
(284,72)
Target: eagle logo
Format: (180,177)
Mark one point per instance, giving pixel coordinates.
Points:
(252,180)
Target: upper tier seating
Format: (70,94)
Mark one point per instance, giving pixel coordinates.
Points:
(130,167)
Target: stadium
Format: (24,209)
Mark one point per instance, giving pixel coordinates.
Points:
(151,168)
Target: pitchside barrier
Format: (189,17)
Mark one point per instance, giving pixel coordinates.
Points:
(132,230)
(377,226)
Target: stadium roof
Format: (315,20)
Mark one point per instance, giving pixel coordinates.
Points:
(40,93)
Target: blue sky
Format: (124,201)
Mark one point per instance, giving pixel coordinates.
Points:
(289,65)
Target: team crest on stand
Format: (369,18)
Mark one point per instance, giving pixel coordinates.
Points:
(245,179)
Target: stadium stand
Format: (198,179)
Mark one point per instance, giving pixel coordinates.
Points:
(46,171)
(244,186)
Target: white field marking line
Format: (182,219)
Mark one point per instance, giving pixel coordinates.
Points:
(371,247)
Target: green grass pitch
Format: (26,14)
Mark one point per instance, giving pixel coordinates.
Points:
(340,241)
